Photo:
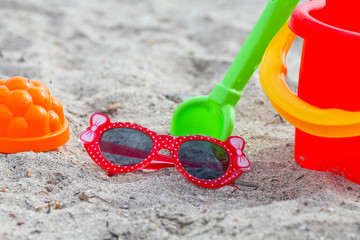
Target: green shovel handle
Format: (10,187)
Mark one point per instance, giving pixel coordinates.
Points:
(275,15)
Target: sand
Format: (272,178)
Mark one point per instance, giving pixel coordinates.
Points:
(136,61)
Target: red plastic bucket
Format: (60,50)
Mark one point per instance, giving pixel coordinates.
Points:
(329,78)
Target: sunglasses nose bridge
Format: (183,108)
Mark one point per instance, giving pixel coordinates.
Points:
(165,142)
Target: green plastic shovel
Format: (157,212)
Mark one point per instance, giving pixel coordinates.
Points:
(214,115)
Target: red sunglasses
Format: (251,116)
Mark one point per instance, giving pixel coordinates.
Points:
(125,147)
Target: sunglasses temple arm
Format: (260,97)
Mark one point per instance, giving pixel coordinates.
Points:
(160,161)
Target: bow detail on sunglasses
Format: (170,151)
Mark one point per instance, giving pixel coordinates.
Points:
(95,121)
(238,144)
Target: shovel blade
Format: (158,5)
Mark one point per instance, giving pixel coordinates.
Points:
(201,116)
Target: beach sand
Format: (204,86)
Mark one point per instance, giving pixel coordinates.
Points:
(136,61)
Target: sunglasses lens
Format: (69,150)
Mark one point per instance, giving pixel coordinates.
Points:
(125,146)
(203,160)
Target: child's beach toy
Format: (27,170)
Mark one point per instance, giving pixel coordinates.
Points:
(30,118)
(326,112)
(126,147)
(213,115)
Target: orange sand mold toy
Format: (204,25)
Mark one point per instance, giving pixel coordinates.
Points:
(326,110)
(30,118)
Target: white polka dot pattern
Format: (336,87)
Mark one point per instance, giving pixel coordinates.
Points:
(156,161)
